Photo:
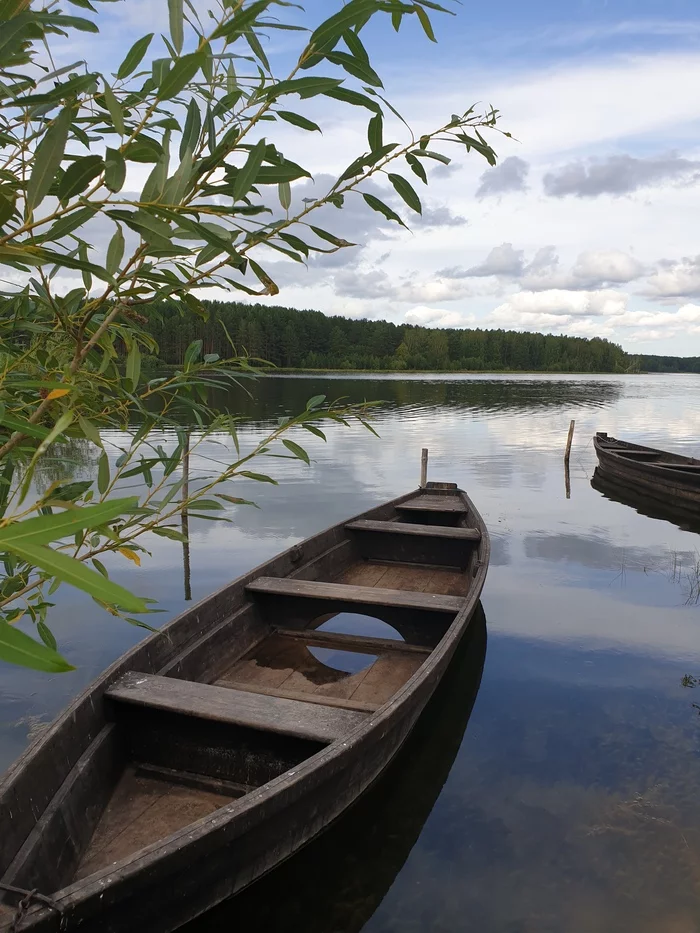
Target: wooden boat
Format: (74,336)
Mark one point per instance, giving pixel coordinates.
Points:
(672,478)
(339,880)
(218,747)
(686,516)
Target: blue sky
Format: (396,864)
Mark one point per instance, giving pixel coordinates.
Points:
(587,226)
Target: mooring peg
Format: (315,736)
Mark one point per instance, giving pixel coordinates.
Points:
(424,468)
(568,442)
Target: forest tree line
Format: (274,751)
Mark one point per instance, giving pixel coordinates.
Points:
(289,338)
(310,340)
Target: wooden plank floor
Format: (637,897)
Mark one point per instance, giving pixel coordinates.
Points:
(288,666)
(142,810)
(406,577)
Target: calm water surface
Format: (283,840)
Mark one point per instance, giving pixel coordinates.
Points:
(569,801)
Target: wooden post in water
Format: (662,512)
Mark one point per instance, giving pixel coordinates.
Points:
(185,520)
(567,454)
(423,468)
(568,442)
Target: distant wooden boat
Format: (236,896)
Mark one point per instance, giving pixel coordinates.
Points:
(686,515)
(218,747)
(671,478)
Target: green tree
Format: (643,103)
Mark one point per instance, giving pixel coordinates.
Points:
(216,204)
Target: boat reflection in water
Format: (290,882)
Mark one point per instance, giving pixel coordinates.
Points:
(685,516)
(337,882)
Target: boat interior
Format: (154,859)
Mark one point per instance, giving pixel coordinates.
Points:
(301,661)
(635,452)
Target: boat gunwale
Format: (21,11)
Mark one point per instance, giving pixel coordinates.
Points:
(649,469)
(241,815)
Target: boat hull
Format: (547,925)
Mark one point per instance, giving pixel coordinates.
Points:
(661,478)
(176,878)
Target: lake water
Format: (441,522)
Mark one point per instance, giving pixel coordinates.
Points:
(569,802)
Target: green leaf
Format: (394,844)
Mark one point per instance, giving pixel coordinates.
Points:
(79,175)
(18,648)
(234,500)
(180,75)
(18,424)
(314,430)
(296,450)
(375,130)
(115,110)
(133,365)
(405,191)
(416,167)
(192,352)
(206,505)
(315,402)
(115,170)
(115,251)
(90,431)
(284,171)
(193,127)
(103,473)
(70,262)
(246,176)
(304,87)
(330,237)
(177,23)
(241,21)
(68,223)
(333,28)
(47,158)
(153,230)
(348,96)
(75,572)
(165,532)
(427,154)
(134,56)
(356,67)
(297,120)
(425,23)
(46,635)
(284,190)
(382,208)
(354,44)
(48,528)
(258,477)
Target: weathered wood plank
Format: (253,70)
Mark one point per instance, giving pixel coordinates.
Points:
(204,701)
(360,595)
(430,503)
(424,531)
(312,698)
(387,675)
(351,642)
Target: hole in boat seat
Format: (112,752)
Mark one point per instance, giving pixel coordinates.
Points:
(355,623)
(349,623)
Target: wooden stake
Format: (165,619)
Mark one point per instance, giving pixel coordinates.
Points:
(185,519)
(423,468)
(568,442)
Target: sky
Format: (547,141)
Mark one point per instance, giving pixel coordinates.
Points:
(588,225)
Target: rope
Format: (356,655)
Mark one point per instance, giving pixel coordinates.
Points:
(26,901)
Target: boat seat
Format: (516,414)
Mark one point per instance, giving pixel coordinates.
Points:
(428,503)
(345,594)
(423,531)
(435,545)
(266,713)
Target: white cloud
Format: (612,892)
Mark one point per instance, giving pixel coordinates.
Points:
(509,175)
(437,317)
(675,279)
(557,308)
(618,175)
